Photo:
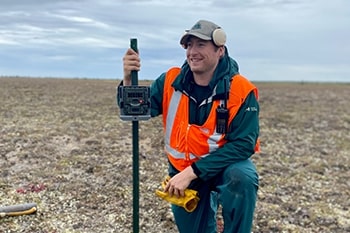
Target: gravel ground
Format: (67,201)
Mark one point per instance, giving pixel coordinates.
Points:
(63,146)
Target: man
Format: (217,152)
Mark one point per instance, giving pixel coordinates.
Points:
(211,126)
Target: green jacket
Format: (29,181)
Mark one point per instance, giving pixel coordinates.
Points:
(243,130)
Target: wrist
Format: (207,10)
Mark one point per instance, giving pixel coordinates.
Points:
(195,170)
(190,173)
(127,82)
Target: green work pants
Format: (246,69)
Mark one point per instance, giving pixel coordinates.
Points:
(235,189)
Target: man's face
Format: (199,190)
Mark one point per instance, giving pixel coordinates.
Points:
(202,55)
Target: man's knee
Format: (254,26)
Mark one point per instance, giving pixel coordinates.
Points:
(242,175)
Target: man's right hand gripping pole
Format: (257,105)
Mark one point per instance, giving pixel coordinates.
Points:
(188,202)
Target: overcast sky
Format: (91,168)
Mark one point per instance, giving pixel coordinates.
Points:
(272,40)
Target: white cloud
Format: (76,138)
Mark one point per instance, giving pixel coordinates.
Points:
(61,58)
(83,21)
(6,41)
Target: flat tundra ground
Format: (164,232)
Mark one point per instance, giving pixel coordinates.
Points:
(63,146)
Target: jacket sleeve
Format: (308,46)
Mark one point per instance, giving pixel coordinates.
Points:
(241,141)
(157,88)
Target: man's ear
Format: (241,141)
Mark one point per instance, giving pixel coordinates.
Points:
(222,51)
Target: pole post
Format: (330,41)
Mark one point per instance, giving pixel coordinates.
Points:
(135,147)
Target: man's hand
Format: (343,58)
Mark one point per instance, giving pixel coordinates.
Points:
(178,183)
(131,61)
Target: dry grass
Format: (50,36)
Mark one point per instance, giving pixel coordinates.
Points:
(65,136)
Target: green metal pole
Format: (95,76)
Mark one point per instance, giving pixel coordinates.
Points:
(135,158)
(135,144)
(134,77)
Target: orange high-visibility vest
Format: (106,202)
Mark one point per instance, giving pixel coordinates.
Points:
(186,143)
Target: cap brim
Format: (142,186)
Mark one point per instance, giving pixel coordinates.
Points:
(185,37)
